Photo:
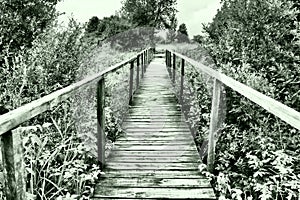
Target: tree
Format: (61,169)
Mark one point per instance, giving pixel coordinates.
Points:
(92,25)
(199,39)
(153,13)
(23,21)
(182,35)
(171,34)
(158,14)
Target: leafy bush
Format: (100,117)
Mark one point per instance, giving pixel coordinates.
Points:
(256,155)
(56,160)
(60,146)
(256,43)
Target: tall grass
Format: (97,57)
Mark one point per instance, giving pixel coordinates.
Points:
(256,156)
(60,145)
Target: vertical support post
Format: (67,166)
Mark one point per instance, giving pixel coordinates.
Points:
(147,61)
(169,58)
(142,63)
(144,60)
(182,80)
(169,63)
(138,72)
(166,58)
(174,68)
(9,166)
(101,122)
(7,151)
(131,82)
(215,119)
(19,164)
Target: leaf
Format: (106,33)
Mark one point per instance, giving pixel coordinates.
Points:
(46,125)
(29,170)
(259,173)
(35,139)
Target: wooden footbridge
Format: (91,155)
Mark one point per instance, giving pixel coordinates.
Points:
(157,157)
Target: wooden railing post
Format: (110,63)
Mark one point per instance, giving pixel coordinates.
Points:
(174,68)
(19,164)
(166,57)
(145,61)
(182,80)
(138,72)
(7,151)
(147,57)
(215,119)
(169,60)
(131,82)
(142,63)
(9,166)
(101,122)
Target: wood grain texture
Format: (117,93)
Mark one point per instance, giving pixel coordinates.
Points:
(101,122)
(157,182)
(157,157)
(157,193)
(14,118)
(280,110)
(214,125)
(9,166)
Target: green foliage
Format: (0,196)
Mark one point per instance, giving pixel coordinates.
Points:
(23,21)
(199,39)
(263,34)
(255,165)
(56,161)
(60,146)
(150,13)
(134,25)
(92,25)
(107,27)
(171,34)
(256,153)
(50,64)
(182,29)
(182,34)
(255,42)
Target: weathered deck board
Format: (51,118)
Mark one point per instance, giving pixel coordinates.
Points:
(156,182)
(157,157)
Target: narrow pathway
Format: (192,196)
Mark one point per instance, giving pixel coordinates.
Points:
(157,157)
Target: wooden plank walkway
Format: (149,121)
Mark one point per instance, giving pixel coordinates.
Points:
(157,158)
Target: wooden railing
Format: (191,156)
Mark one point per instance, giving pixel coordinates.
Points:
(280,110)
(12,119)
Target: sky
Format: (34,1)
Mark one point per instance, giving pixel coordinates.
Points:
(191,12)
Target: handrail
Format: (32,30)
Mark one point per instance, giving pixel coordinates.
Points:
(280,110)
(15,117)
(12,119)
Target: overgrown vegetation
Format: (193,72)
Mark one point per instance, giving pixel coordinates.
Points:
(256,43)
(59,146)
(140,15)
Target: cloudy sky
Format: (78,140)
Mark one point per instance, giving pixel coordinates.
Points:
(191,12)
